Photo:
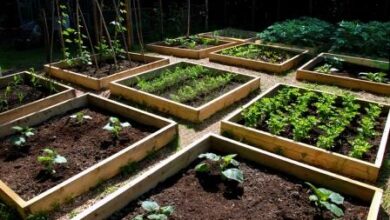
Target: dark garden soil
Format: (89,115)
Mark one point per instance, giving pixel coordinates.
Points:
(265,194)
(82,145)
(29,94)
(106,67)
(342,146)
(352,70)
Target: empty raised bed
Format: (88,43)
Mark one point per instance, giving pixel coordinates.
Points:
(232,34)
(62,151)
(259,57)
(200,182)
(188,91)
(98,77)
(339,133)
(24,93)
(348,72)
(194,47)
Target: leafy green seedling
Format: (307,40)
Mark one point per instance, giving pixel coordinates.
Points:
(23,133)
(79,117)
(227,166)
(115,126)
(375,77)
(325,198)
(154,211)
(49,159)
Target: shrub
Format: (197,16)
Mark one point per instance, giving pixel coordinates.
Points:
(304,31)
(366,39)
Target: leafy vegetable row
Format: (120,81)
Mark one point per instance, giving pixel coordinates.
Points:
(311,116)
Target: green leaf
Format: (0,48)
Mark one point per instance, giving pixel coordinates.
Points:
(323,193)
(167,210)
(60,159)
(333,208)
(125,124)
(234,174)
(202,168)
(336,198)
(228,159)
(18,140)
(313,198)
(138,217)
(157,217)
(210,156)
(150,206)
(68,40)
(17,128)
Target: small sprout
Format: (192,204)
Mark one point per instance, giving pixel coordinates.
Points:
(23,134)
(227,166)
(115,126)
(21,97)
(154,211)
(327,199)
(51,158)
(79,117)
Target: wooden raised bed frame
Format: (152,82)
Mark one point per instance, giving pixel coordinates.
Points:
(97,84)
(187,112)
(103,170)
(306,73)
(306,153)
(257,64)
(187,53)
(238,40)
(64,93)
(185,157)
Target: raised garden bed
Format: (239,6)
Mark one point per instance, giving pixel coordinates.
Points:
(24,93)
(232,34)
(273,187)
(259,57)
(194,47)
(185,90)
(338,133)
(89,77)
(72,147)
(348,72)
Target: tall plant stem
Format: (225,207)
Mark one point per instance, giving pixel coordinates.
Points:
(60,29)
(137,25)
(88,36)
(107,32)
(122,33)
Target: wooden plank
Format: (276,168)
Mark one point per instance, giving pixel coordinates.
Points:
(169,167)
(306,73)
(211,34)
(177,109)
(187,53)
(332,161)
(64,93)
(257,64)
(103,170)
(56,70)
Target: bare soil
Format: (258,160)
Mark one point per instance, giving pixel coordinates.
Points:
(28,92)
(106,67)
(82,145)
(265,194)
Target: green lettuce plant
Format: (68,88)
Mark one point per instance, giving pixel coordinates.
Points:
(154,211)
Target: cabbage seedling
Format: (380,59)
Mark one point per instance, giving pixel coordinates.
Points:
(227,166)
(115,126)
(23,134)
(49,159)
(324,198)
(79,117)
(154,211)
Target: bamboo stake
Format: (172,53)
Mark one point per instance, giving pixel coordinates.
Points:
(107,32)
(60,29)
(122,33)
(188,17)
(129,23)
(137,25)
(47,36)
(88,36)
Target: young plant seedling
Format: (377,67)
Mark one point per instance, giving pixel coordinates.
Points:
(225,166)
(50,159)
(23,133)
(115,126)
(154,211)
(80,117)
(327,199)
